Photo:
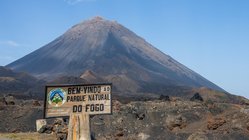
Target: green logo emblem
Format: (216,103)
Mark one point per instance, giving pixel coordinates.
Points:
(57,97)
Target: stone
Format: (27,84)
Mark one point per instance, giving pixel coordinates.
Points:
(42,129)
(46,129)
(10,100)
(197,136)
(58,121)
(215,123)
(60,129)
(197,97)
(40,123)
(173,122)
(140,116)
(59,126)
(61,136)
(164,98)
(143,136)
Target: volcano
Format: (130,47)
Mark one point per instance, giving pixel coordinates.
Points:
(101,50)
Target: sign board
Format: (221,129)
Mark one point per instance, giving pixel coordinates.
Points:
(63,100)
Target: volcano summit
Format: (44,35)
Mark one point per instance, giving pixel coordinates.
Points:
(100,50)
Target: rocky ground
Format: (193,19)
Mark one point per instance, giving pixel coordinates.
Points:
(175,119)
(167,118)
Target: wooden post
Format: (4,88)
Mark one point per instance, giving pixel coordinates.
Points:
(79,127)
(60,101)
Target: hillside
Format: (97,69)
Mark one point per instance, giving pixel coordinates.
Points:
(20,84)
(102,50)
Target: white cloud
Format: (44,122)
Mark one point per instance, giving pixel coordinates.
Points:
(73,2)
(9,43)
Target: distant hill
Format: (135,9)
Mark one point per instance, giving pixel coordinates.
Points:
(19,84)
(100,50)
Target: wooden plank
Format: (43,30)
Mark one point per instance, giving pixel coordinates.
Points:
(75,120)
(79,127)
(85,127)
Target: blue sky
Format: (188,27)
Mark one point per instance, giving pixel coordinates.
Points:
(210,37)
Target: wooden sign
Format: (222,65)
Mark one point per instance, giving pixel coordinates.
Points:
(65,100)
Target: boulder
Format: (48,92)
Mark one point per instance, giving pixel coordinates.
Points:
(59,127)
(40,123)
(10,100)
(173,122)
(46,129)
(215,123)
(197,97)
(164,98)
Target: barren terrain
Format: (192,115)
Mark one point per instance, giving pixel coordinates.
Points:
(173,118)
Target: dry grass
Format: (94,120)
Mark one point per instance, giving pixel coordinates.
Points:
(26,136)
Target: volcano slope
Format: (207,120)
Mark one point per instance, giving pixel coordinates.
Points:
(102,50)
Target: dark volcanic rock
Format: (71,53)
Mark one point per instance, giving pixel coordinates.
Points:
(164,98)
(197,97)
(46,129)
(140,116)
(151,120)
(59,127)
